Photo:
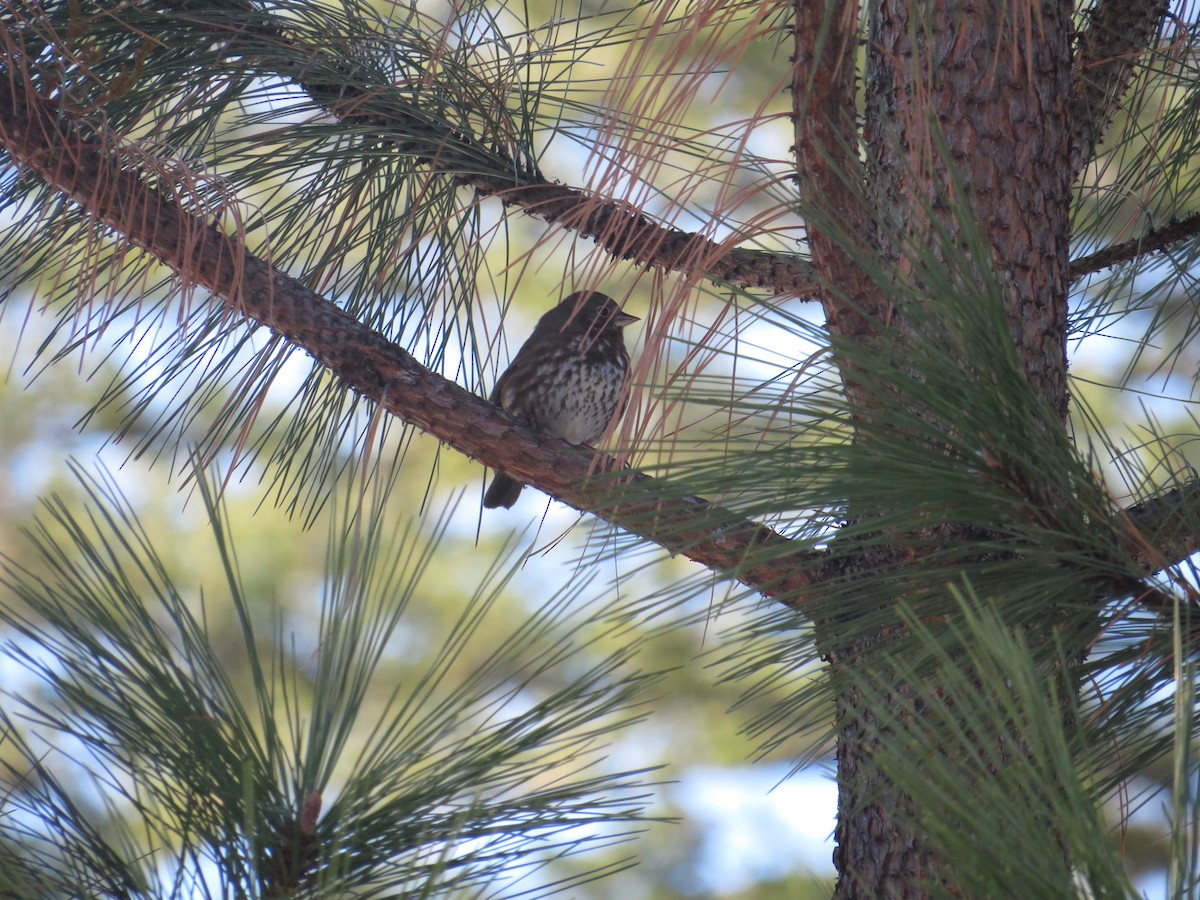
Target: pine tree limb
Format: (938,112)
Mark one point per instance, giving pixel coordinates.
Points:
(1153,241)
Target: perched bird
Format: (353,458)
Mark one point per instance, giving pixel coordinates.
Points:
(568,379)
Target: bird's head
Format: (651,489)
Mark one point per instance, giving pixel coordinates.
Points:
(585,311)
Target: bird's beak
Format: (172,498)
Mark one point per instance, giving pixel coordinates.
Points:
(623,318)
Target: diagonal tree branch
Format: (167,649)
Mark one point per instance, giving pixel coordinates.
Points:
(623,231)
(33,130)
(1117,34)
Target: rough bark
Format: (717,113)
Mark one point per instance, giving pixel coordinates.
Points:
(967,124)
(966,127)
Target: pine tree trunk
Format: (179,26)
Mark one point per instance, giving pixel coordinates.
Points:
(966,106)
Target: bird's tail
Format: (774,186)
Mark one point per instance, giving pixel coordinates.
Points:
(503,491)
